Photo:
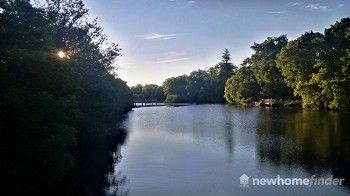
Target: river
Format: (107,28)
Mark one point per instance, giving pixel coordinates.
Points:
(204,149)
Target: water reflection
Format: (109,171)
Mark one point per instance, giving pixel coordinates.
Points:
(228,131)
(203,149)
(318,141)
(94,165)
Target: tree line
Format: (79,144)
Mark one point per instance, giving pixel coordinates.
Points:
(312,71)
(148,91)
(258,76)
(201,86)
(59,94)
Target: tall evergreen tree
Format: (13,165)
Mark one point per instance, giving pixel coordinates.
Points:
(226,56)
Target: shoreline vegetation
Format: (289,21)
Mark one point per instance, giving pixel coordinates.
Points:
(60,100)
(312,71)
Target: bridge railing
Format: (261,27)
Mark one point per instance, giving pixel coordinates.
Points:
(140,102)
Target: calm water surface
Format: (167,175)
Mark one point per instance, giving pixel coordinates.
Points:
(204,149)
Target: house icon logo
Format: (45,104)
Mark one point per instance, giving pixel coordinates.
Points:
(244,180)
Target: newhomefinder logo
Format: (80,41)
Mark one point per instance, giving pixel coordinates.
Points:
(244,180)
(279,181)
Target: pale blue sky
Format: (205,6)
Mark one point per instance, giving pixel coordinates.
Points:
(165,38)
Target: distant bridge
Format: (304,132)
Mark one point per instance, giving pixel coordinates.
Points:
(144,102)
(139,100)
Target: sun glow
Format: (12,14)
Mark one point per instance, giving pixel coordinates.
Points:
(61,54)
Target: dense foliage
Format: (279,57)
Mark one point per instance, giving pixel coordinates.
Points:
(202,86)
(242,87)
(314,66)
(259,77)
(317,67)
(50,105)
(265,69)
(147,92)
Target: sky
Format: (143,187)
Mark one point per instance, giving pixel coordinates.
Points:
(167,38)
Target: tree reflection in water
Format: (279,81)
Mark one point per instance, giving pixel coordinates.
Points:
(116,180)
(94,168)
(318,141)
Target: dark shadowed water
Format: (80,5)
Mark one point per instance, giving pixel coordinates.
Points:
(204,149)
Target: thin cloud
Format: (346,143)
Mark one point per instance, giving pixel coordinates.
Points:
(174,60)
(298,3)
(316,7)
(158,36)
(191,2)
(173,57)
(277,12)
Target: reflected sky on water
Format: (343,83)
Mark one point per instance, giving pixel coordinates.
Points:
(204,149)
